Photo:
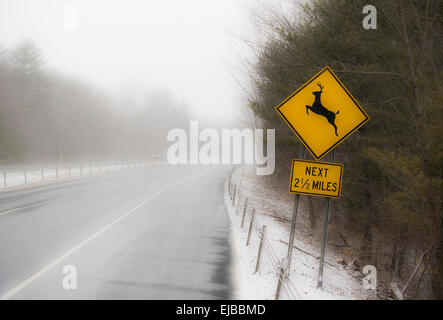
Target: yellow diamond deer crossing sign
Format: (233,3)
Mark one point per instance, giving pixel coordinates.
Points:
(322,113)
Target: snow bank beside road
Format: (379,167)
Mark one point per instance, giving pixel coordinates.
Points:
(275,212)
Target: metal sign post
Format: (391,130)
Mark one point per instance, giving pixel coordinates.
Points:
(294,217)
(282,277)
(324,236)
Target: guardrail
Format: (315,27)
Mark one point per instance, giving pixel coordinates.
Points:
(35,175)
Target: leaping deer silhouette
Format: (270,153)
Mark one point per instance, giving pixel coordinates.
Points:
(319,109)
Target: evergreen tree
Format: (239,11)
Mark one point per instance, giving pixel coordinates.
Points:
(393,165)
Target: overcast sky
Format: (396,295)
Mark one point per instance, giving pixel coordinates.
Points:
(188,47)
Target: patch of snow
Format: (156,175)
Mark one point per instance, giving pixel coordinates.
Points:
(275,211)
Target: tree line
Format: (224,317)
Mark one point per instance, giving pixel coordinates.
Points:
(46,115)
(392,185)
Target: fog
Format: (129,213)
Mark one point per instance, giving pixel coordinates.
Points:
(186,46)
(125,56)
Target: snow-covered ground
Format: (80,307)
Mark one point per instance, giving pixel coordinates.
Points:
(13,177)
(275,210)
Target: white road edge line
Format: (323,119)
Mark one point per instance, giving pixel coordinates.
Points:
(9,211)
(37,275)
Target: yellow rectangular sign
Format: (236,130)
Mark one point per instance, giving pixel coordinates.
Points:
(316,178)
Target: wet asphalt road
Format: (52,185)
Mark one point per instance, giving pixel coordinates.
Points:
(147,233)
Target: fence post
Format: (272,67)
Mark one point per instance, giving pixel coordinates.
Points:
(56,172)
(281,277)
(233,198)
(244,212)
(250,227)
(239,188)
(69,171)
(4,179)
(81,171)
(26,180)
(260,247)
(43,176)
